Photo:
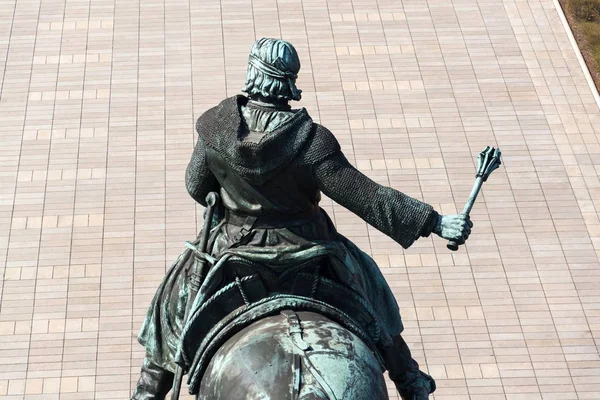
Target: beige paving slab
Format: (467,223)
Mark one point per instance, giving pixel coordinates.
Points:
(97,105)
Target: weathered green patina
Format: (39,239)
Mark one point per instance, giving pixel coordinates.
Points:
(270,164)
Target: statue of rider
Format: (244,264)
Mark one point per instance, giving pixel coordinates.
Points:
(270,163)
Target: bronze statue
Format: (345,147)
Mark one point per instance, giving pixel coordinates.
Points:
(270,163)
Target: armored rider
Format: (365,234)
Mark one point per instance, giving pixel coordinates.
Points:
(270,163)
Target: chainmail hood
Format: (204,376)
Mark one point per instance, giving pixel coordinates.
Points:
(222,129)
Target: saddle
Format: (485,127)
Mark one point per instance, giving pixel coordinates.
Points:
(251,291)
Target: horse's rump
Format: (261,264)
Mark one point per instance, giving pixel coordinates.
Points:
(245,342)
(293,355)
(262,293)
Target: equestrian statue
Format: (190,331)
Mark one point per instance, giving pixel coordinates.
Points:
(286,307)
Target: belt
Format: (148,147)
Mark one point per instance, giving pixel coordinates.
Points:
(270,221)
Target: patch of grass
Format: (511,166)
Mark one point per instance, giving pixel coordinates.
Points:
(584,19)
(585,10)
(591,31)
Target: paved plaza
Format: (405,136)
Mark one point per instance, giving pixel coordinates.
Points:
(98,100)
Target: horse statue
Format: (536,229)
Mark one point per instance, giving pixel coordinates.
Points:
(271,164)
(294,335)
(265,361)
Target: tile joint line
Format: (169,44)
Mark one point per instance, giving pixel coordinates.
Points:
(582,63)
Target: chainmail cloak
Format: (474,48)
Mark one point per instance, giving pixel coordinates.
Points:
(222,130)
(281,173)
(310,156)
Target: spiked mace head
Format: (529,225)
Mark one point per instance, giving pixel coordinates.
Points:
(488,160)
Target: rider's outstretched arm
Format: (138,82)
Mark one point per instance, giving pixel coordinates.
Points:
(399,216)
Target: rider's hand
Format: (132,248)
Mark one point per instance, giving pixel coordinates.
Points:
(455,227)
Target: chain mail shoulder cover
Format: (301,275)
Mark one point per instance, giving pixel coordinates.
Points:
(223,129)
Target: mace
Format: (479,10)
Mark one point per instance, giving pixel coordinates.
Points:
(488,160)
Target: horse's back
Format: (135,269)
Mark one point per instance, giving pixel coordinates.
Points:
(266,360)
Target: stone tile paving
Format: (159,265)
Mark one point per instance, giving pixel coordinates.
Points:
(97,105)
